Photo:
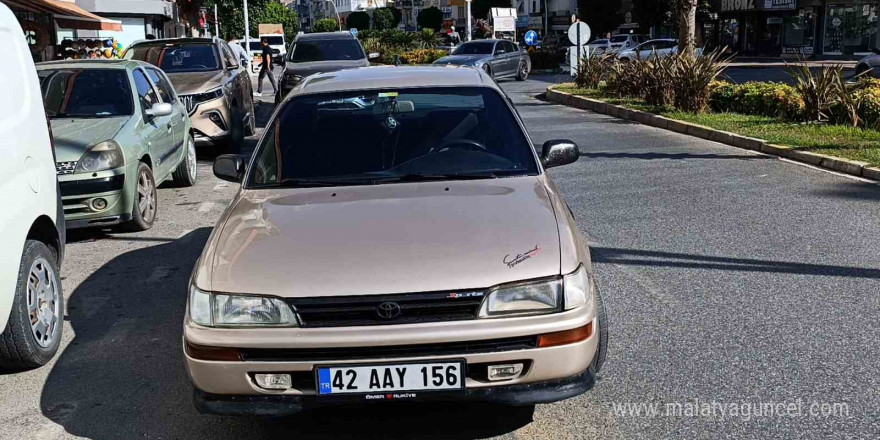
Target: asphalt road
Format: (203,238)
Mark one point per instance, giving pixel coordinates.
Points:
(731,278)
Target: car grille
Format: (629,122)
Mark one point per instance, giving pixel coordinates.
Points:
(62,168)
(392,351)
(407,308)
(188,102)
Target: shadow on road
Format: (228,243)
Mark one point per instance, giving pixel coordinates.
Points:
(123,376)
(638,257)
(855,191)
(673,156)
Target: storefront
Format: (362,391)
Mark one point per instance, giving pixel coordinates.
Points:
(850,28)
(759,27)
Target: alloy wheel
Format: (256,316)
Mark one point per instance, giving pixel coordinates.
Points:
(146,197)
(43,302)
(191,164)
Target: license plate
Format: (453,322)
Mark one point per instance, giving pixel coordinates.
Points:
(365,379)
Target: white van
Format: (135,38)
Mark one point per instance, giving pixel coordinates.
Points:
(31,214)
(276,41)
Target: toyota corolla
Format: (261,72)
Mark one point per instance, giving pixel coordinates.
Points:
(395,237)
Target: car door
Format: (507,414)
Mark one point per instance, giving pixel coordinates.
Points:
(644,50)
(156,132)
(499,62)
(236,80)
(664,48)
(178,115)
(512,57)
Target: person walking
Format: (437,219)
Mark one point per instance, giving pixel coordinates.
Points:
(266,70)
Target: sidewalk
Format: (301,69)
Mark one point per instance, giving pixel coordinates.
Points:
(765,62)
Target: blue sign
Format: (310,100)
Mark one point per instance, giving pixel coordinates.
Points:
(531,38)
(354,31)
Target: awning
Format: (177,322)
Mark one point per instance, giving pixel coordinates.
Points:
(67,14)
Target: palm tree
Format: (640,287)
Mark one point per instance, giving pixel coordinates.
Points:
(428,39)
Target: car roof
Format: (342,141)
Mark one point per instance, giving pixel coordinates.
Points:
(93,64)
(395,77)
(338,35)
(174,40)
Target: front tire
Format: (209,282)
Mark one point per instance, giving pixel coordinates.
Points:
(236,131)
(523,72)
(146,201)
(185,174)
(602,318)
(33,332)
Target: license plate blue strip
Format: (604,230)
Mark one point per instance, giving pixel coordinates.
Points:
(324,386)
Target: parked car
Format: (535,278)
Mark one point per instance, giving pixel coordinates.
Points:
(327,281)
(320,52)
(499,58)
(621,42)
(215,88)
(868,65)
(600,46)
(653,48)
(114,149)
(31,219)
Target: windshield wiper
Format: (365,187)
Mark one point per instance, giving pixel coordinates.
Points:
(428,177)
(312,183)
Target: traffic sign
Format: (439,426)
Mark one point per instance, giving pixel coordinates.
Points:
(354,31)
(579,33)
(531,38)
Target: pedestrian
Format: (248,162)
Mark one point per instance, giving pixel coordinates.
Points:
(266,70)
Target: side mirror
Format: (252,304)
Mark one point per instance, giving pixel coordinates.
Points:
(558,152)
(373,55)
(159,109)
(229,167)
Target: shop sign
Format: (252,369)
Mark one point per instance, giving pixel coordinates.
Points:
(737,5)
(780,4)
(805,50)
(559,22)
(536,22)
(522,22)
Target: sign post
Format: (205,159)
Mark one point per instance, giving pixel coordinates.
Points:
(579,35)
(468,19)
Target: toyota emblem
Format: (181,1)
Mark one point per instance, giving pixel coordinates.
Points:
(388,310)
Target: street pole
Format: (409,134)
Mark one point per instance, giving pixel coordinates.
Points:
(338,20)
(216,22)
(546,19)
(247,32)
(468,19)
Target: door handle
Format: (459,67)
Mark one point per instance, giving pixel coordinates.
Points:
(168,125)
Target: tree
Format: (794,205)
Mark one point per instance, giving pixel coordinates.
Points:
(481,8)
(650,13)
(430,18)
(397,15)
(231,15)
(325,25)
(603,16)
(358,20)
(383,18)
(687,24)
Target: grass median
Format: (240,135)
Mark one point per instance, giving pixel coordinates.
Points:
(834,140)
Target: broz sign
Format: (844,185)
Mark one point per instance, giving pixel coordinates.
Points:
(737,5)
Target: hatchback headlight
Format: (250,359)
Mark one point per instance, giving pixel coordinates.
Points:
(539,297)
(222,310)
(104,155)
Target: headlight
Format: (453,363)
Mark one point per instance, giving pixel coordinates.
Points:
(102,156)
(523,299)
(210,95)
(222,310)
(539,297)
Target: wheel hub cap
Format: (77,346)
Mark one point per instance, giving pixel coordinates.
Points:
(43,302)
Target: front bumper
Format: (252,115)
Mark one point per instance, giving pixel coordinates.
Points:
(282,405)
(211,121)
(79,192)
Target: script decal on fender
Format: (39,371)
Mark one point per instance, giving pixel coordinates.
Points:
(519,258)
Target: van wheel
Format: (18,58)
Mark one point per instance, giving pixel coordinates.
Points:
(146,201)
(185,174)
(602,350)
(33,332)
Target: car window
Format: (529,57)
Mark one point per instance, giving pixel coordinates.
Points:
(163,88)
(228,56)
(144,89)
(399,132)
(176,57)
(510,47)
(665,44)
(499,48)
(618,38)
(274,40)
(83,93)
(475,48)
(326,50)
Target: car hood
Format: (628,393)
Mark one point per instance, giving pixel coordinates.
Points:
(396,238)
(462,59)
(73,136)
(306,69)
(188,83)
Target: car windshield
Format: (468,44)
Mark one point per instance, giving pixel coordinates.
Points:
(475,48)
(86,93)
(600,42)
(619,38)
(176,57)
(387,136)
(274,40)
(327,50)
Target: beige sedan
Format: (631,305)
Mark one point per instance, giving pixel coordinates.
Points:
(395,238)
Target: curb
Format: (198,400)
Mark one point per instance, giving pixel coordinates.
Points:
(846,166)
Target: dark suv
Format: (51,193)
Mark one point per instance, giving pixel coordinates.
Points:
(320,52)
(215,89)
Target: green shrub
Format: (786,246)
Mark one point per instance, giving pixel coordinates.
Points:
(325,25)
(658,75)
(692,80)
(422,56)
(592,70)
(723,96)
(624,79)
(428,38)
(870,109)
(818,90)
(383,18)
(545,59)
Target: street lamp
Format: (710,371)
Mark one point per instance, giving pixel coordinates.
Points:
(468,19)
(338,20)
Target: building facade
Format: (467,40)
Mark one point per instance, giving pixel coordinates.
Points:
(139,18)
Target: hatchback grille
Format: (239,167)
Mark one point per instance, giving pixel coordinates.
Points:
(392,351)
(62,168)
(409,308)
